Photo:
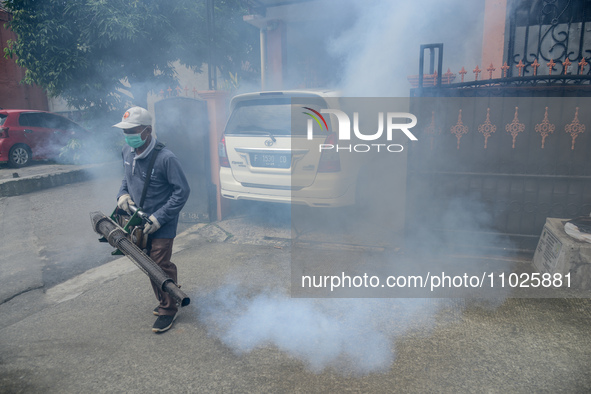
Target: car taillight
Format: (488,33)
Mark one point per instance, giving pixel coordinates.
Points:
(329,159)
(3,132)
(222,153)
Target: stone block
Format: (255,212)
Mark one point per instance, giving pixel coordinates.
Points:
(557,252)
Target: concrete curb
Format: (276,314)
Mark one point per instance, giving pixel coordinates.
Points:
(29,184)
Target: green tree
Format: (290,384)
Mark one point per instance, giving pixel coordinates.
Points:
(91,51)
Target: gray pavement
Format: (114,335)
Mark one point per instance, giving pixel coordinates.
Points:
(44,175)
(243,333)
(44,234)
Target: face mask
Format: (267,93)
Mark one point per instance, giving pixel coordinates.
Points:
(134,140)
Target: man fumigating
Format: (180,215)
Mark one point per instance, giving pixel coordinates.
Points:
(154,182)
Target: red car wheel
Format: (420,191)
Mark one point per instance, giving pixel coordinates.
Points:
(19,155)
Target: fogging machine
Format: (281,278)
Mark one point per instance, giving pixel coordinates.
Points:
(124,240)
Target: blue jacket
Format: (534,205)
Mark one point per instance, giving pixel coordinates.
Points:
(168,191)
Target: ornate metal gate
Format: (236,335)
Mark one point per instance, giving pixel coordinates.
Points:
(520,144)
(551,33)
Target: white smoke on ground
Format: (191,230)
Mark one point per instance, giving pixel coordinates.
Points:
(352,336)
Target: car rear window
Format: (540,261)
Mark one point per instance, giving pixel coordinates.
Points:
(3,118)
(270,116)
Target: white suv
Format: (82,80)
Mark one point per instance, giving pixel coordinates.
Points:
(266,155)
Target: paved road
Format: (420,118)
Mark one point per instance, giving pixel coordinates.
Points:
(46,235)
(242,333)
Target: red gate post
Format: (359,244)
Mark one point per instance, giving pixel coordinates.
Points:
(217,110)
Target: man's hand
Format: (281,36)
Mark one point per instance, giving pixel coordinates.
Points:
(151,228)
(124,202)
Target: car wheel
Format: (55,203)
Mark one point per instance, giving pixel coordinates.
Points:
(19,155)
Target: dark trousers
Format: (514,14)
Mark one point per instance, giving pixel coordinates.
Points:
(160,252)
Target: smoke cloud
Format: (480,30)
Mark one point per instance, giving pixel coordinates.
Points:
(350,335)
(382,46)
(375,49)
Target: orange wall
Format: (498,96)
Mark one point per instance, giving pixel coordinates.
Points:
(493,39)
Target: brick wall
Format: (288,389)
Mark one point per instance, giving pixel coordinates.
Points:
(13,94)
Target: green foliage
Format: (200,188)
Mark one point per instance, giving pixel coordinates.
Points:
(232,84)
(72,152)
(91,51)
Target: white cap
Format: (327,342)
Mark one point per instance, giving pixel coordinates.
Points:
(134,117)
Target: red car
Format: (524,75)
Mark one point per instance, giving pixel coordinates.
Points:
(27,135)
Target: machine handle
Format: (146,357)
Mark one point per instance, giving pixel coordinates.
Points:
(140,213)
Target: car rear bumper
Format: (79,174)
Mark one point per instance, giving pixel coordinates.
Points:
(329,195)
